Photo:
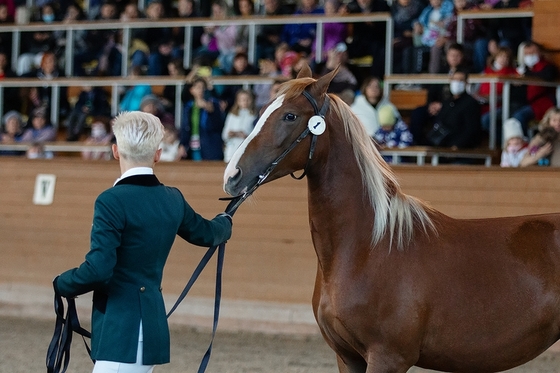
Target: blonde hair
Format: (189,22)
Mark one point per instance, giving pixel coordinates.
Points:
(138,135)
(545,122)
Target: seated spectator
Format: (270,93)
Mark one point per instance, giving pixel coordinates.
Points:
(515,146)
(41,95)
(500,64)
(153,105)
(100,135)
(245,9)
(392,131)
(344,79)
(219,42)
(544,146)
(158,40)
(185,9)
(241,67)
(367,103)
(134,94)
(474,34)
(538,99)
(506,32)
(102,56)
(368,38)
(74,13)
(239,122)
(6,37)
(12,131)
(333,32)
(431,30)
(201,125)
(41,130)
(423,117)
(35,43)
(404,13)
(269,36)
(170,144)
(301,36)
(457,124)
(11,95)
(285,59)
(92,102)
(267,68)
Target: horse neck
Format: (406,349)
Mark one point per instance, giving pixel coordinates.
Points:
(340,219)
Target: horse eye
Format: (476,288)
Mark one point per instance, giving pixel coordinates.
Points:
(290,117)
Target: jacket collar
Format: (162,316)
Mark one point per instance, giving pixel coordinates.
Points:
(142,180)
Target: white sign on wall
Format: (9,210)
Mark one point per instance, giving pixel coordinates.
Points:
(44,189)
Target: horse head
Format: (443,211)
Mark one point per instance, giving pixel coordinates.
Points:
(285,136)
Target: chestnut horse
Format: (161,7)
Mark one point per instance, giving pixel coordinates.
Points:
(398,283)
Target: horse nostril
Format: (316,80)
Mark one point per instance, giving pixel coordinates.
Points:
(233,179)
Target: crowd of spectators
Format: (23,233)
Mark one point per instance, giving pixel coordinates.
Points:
(424,41)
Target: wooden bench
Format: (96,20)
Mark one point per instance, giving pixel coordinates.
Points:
(421,153)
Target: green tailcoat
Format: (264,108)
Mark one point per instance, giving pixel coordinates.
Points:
(134,226)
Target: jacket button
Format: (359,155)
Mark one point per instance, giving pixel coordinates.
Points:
(142,289)
(160,288)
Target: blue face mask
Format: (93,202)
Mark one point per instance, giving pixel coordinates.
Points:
(48,18)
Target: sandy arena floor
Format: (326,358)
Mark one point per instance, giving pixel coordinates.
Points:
(23,345)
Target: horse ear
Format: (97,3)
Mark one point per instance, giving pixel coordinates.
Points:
(305,72)
(321,86)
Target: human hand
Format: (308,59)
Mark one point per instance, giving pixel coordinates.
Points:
(544,151)
(434,108)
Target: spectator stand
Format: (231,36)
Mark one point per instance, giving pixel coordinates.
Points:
(252,22)
(489,14)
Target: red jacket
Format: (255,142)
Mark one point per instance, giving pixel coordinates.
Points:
(541,98)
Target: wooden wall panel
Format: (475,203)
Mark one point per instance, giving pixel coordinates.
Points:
(270,258)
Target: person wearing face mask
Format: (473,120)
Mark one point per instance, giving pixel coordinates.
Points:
(458,122)
(100,135)
(538,99)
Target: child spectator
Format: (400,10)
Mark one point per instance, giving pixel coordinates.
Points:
(366,104)
(170,144)
(285,59)
(344,79)
(239,123)
(544,146)
(393,132)
(404,13)
(333,32)
(431,27)
(515,146)
(92,101)
(202,125)
(100,135)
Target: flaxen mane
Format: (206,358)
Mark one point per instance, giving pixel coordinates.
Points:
(395,211)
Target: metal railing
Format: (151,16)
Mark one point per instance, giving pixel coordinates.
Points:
(188,24)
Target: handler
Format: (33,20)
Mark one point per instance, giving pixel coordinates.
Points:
(134,225)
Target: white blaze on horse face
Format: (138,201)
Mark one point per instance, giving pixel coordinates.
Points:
(231,168)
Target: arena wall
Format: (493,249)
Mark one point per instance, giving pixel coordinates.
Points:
(270,263)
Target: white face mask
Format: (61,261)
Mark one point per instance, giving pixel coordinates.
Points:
(457,87)
(531,60)
(497,66)
(513,148)
(98,132)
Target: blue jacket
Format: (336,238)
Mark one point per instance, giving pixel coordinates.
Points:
(211,125)
(134,226)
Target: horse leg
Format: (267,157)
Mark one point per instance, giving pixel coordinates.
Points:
(351,365)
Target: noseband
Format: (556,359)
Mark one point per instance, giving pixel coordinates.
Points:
(236,201)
